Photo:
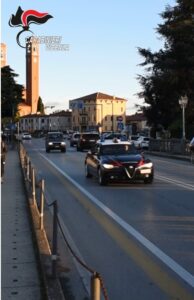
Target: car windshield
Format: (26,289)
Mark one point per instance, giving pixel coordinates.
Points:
(90,136)
(118,149)
(115,135)
(55,136)
(134,138)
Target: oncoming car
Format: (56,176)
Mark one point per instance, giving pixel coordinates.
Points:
(26,136)
(55,141)
(117,161)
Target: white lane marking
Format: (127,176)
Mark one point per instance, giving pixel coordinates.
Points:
(172,264)
(176,182)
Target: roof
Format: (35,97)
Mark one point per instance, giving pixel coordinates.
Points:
(136,117)
(62,113)
(99,95)
(56,114)
(34,116)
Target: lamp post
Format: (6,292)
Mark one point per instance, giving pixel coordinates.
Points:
(183,103)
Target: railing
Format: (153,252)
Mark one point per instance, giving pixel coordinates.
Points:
(171,146)
(36,188)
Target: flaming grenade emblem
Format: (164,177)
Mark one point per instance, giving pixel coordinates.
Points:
(25,18)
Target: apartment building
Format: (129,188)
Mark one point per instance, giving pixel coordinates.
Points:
(99,112)
(59,121)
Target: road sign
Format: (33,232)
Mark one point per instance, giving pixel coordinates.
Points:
(120,118)
(120,126)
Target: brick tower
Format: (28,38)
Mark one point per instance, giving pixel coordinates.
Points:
(32,75)
(3,55)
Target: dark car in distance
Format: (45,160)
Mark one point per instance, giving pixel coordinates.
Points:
(55,141)
(115,160)
(87,140)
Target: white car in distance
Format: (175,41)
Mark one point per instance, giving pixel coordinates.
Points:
(142,142)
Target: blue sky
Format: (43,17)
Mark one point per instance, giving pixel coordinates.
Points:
(103,37)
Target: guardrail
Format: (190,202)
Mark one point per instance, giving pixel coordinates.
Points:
(36,188)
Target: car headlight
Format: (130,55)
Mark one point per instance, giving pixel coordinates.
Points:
(50,143)
(108,166)
(147,165)
(63,143)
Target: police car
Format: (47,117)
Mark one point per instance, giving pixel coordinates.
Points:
(116,160)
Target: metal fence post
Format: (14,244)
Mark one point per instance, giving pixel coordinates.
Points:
(33,186)
(54,249)
(28,169)
(42,204)
(25,166)
(95,287)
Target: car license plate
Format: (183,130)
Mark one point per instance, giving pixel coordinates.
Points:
(92,140)
(145,171)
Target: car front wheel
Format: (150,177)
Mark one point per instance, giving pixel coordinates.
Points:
(148,180)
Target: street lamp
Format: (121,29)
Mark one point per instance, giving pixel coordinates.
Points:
(183,103)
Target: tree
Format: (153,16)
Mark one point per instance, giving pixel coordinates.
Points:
(40,106)
(11,93)
(170,71)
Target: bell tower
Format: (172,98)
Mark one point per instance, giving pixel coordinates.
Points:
(32,75)
(3,55)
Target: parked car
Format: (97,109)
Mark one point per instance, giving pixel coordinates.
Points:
(26,136)
(55,141)
(87,140)
(74,139)
(115,160)
(142,142)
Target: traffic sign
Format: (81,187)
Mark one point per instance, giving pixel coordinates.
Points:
(120,118)
(120,126)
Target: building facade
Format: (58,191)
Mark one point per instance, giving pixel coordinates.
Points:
(99,112)
(60,121)
(137,124)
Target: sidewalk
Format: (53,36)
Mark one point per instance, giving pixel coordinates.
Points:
(19,269)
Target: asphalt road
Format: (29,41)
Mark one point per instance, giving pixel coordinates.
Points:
(139,237)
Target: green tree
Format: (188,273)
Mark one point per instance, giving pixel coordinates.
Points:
(40,106)
(170,71)
(11,94)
